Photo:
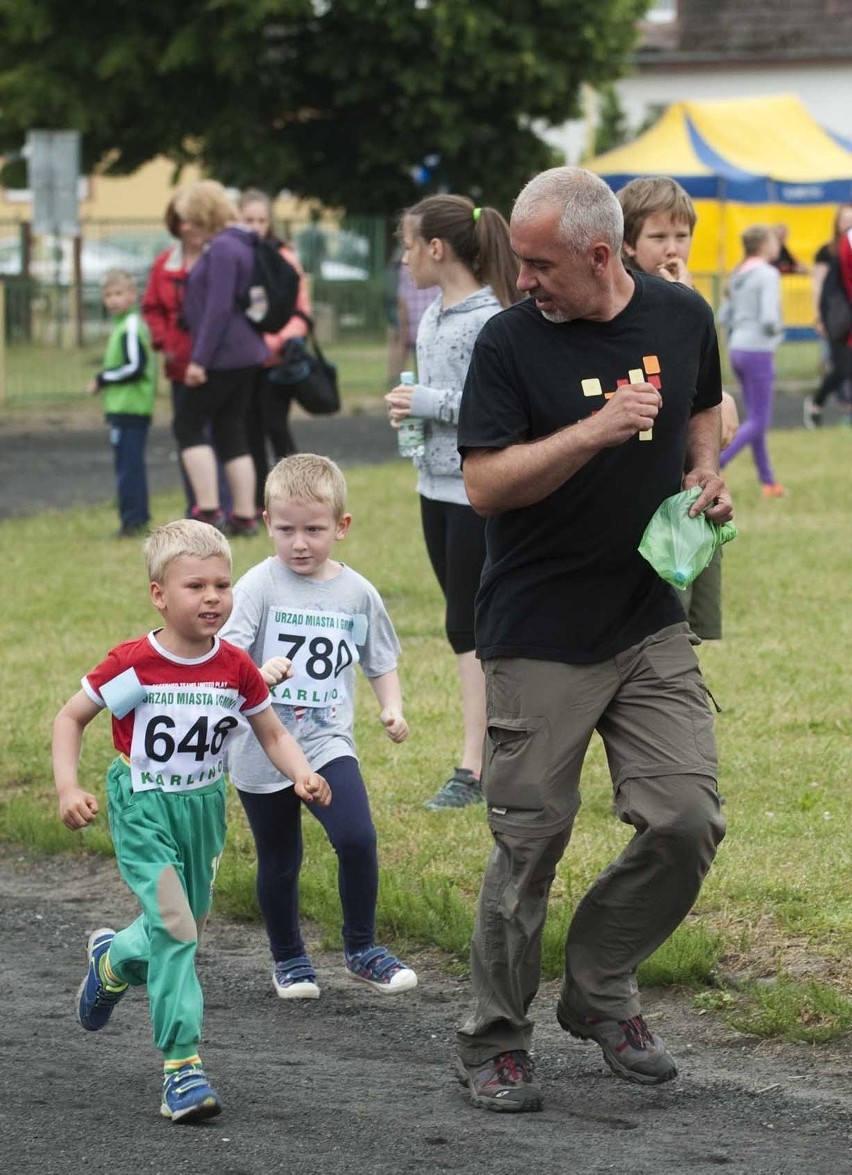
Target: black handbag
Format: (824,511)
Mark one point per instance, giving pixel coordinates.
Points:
(307,375)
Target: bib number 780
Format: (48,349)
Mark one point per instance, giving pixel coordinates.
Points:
(316,660)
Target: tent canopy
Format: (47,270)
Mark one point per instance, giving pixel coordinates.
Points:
(766,150)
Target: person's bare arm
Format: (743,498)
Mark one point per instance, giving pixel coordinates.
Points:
(521,475)
(285,753)
(702,464)
(77,808)
(388,693)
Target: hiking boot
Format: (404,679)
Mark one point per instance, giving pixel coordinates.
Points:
(629,1047)
(295,979)
(503,1083)
(96,998)
(188,1096)
(238,526)
(382,970)
(811,413)
(461,789)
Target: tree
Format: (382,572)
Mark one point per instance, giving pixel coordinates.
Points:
(335,99)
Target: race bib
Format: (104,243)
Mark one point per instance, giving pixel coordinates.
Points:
(179,735)
(321,646)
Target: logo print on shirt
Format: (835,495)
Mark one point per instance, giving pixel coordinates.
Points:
(649,372)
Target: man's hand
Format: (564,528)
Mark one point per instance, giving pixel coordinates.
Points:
(633,409)
(714,499)
(313,789)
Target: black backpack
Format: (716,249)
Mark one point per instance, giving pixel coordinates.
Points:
(835,309)
(273,289)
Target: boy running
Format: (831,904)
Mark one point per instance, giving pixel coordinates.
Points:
(176,696)
(308,620)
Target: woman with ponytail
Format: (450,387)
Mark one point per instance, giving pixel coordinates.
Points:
(465,251)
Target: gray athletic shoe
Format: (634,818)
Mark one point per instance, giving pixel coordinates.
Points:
(461,789)
(503,1083)
(629,1047)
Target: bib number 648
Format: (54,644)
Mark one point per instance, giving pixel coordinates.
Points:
(161,745)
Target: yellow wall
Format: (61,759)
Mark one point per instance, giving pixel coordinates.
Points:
(717,246)
(143,195)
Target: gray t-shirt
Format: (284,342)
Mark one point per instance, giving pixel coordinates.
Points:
(325,627)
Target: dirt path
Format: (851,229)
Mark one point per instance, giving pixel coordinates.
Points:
(357,1082)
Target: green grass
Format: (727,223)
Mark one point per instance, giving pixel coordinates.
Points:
(776,903)
(45,377)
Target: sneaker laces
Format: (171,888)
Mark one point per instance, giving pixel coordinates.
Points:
(639,1035)
(515,1066)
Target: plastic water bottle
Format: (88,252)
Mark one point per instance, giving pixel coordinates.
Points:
(411,436)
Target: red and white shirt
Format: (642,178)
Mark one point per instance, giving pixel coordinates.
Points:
(171,717)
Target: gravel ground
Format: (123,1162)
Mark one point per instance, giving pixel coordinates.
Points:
(355,1082)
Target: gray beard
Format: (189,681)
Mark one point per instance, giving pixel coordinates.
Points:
(555,316)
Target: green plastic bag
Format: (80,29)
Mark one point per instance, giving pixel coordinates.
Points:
(679,547)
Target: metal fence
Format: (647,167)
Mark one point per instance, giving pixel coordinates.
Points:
(54,323)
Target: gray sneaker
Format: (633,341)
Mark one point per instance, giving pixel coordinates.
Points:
(461,789)
(629,1047)
(503,1083)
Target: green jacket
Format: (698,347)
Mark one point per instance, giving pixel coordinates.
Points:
(129,376)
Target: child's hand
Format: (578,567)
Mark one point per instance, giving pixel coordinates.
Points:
(398,401)
(396,728)
(77,808)
(276,669)
(313,790)
(94,387)
(675,270)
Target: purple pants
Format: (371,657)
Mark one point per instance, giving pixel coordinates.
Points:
(756,372)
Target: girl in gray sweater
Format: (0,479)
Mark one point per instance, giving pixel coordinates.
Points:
(466,252)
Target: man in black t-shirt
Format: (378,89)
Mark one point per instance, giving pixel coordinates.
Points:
(582,408)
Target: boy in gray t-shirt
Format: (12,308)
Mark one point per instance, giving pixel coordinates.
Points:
(307,620)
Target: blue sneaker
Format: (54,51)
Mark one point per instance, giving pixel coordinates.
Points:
(295,979)
(381,970)
(96,999)
(188,1096)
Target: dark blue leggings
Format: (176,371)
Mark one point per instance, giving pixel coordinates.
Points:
(275,820)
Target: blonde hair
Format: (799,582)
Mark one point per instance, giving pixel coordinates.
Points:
(206,205)
(120,278)
(649,195)
(307,477)
(755,237)
(186,536)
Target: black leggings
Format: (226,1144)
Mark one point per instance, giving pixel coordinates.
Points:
(455,541)
(275,820)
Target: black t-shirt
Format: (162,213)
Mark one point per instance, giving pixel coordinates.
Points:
(563,579)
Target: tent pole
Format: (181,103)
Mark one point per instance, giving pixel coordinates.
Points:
(721,255)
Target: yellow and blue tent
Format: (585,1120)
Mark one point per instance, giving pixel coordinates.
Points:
(745,161)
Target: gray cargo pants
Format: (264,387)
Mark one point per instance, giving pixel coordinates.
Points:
(649,704)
